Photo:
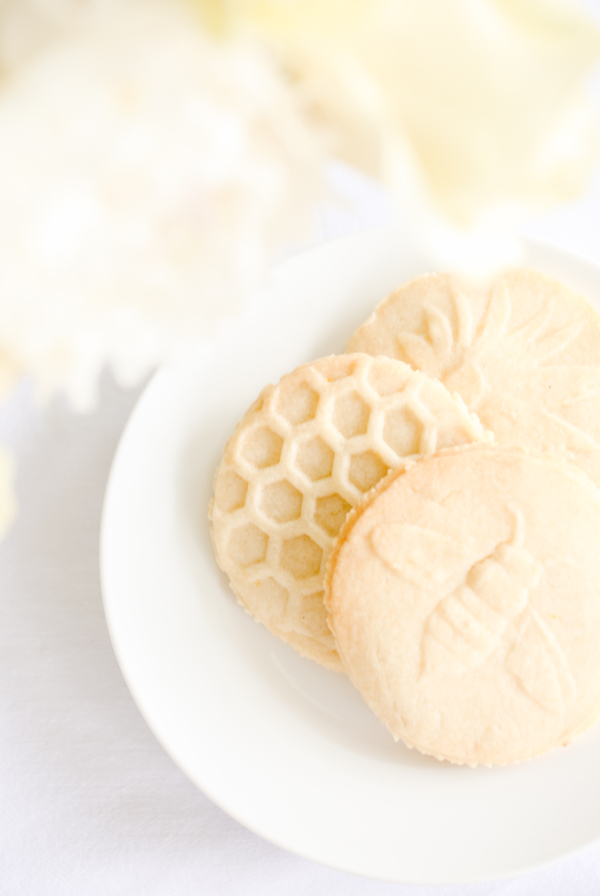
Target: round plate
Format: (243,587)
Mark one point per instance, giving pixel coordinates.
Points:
(284,746)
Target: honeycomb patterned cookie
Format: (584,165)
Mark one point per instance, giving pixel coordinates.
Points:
(304,454)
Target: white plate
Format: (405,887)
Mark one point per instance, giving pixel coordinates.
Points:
(287,748)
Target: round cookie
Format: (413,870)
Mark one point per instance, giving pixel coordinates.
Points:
(302,456)
(464,596)
(523,351)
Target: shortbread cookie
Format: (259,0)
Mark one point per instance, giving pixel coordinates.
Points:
(303,455)
(523,352)
(464,595)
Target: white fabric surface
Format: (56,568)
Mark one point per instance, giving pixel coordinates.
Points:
(90,803)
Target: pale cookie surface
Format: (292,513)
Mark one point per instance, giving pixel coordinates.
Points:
(465,602)
(523,352)
(302,456)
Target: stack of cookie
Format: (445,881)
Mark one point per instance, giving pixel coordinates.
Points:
(423,514)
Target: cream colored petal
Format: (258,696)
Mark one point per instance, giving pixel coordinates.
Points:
(148,176)
(485,99)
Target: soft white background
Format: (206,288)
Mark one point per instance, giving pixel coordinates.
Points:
(89,802)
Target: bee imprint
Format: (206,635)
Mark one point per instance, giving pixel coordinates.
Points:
(467,625)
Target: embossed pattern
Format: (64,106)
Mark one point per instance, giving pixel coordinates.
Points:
(523,353)
(464,597)
(467,625)
(539,665)
(455,354)
(305,454)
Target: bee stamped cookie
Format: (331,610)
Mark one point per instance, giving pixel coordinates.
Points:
(304,454)
(523,351)
(464,596)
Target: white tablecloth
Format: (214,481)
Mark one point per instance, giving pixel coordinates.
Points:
(90,803)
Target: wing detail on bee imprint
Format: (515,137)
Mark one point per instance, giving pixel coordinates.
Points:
(539,665)
(456,349)
(467,625)
(422,556)
(453,354)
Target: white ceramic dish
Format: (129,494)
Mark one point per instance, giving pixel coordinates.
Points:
(287,748)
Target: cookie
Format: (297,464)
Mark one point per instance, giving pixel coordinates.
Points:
(303,455)
(464,596)
(523,351)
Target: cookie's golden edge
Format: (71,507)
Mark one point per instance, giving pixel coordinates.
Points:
(355,514)
(307,648)
(322,654)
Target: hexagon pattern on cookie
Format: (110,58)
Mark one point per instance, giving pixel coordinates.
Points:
(303,456)
(464,596)
(523,351)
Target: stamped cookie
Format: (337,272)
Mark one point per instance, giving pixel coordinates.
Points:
(465,603)
(303,455)
(523,352)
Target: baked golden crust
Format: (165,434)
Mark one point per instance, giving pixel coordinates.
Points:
(305,454)
(464,596)
(522,350)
